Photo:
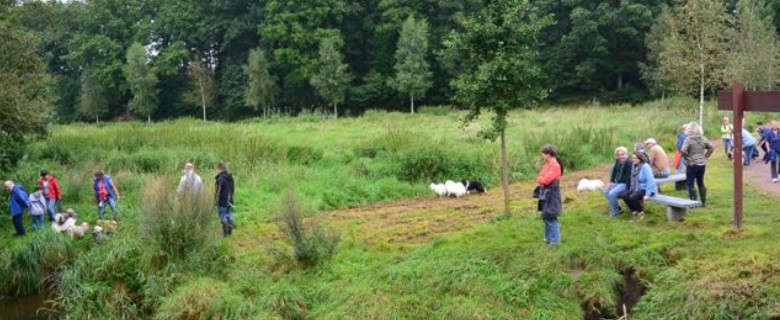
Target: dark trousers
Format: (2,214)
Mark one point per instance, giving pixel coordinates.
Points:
(19,224)
(634,200)
(695,173)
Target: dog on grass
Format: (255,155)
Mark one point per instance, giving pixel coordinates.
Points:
(109,226)
(97,234)
(456,189)
(78,230)
(439,189)
(586,185)
(473,185)
(62,223)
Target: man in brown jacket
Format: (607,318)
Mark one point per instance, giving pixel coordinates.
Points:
(659,161)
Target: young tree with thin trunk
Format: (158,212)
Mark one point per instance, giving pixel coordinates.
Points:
(412,72)
(332,77)
(204,87)
(496,51)
(142,80)
(93,99)
(261,89)
(693,53)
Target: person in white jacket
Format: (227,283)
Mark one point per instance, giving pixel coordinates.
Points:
(190,180)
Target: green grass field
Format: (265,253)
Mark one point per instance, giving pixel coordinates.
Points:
(404,254)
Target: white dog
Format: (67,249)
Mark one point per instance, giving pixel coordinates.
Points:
(456,189)
(97,234)
(439,189)
(62,224)
(79,230)
(590,185)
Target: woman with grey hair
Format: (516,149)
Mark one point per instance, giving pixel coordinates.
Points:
(619,180)
(696,149)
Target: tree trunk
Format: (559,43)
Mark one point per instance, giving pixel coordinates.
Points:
(701,97)
(202,98)
(620,82)
(412,99)
(97,119)
(149,118)
(504,173)
(335,110)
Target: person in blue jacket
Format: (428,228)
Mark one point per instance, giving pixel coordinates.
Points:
(18,202)
(106,193)
(642,184)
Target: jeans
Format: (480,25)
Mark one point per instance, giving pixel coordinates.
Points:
(102,207)
(49,209)
(695,173)
(634,200)
(748,154)
(226,214)
(728,144)
(775,166)
(612,193)
(19,224)
(552,231)
(37,221)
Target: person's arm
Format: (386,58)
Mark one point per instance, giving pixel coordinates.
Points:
(549,174)
(709,147)
(116,191)
(57,190)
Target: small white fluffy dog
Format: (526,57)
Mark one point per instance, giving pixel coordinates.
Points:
(79,230)
(590,185)
(97,234)
(456,189)
(109,226)
(61,224)
(439,189)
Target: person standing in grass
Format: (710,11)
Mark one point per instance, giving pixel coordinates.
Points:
(761,129)
(678,163)
(642,184)
(697,149)
(190,180)
(549,184)
(37,208)
(619,180)
(52,193)
(224,190)
(106,193)
(727,135)
(18,201)
(772,144)
(659,161)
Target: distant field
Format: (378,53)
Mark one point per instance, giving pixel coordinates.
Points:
(404,254)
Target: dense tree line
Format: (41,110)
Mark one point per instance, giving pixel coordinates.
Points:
(153,59)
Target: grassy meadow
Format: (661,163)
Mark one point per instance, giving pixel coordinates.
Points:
(403,254)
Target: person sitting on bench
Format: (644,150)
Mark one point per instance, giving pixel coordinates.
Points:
(642,184)
(659,161)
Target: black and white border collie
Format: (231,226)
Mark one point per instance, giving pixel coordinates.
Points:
(473,185)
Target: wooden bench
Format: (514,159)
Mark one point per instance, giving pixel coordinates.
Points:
(676,208)
(678,179)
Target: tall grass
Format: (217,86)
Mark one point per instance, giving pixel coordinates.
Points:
(24,269)
(310,242)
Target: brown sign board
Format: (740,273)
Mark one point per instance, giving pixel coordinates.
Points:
(756,101)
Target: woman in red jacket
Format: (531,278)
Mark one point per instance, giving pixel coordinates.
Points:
(549,185)
(51,191)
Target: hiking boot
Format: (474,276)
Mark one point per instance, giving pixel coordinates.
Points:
(692,194)
(703,196)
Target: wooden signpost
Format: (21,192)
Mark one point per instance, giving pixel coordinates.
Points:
(738,100)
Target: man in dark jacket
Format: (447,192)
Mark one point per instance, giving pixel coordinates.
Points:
(224,198)
(18,202)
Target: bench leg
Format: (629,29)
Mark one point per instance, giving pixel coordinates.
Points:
(675,214)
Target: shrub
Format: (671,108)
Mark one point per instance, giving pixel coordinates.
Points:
(178,228)
(436,110)
(25,268)
(56,152)
(434,164)
(311,244)
(304,154)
